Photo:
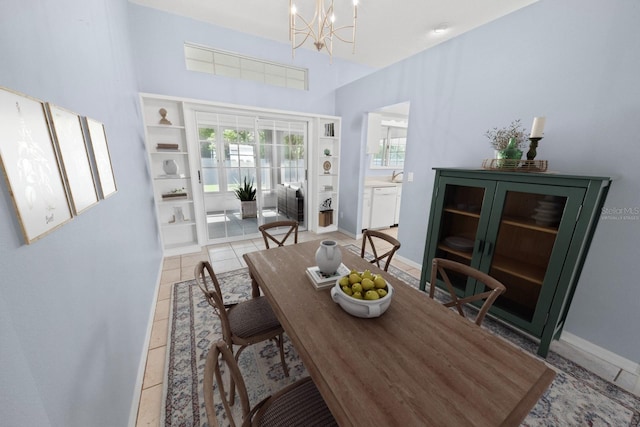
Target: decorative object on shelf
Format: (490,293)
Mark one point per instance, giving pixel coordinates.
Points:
(176,193)
(328,257)
(179,214)
(170,167)
(326,205)
(325,218)
(534,138)
(329,130)
(510,156)
(459,243)
(549,211)
(167,146)
(518,166)
(327,152)
(163,114)
(499,138)
(326,166)
(246,193)
(320,27)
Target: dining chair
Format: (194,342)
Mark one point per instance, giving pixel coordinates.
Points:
(297,404)
(380,239)
(441,266)
(244,323)
(267,230)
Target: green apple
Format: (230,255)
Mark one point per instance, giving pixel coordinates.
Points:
(371,295)
(354,278)
(367,284)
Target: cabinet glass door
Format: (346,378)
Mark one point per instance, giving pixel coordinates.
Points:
(531,224)
(465,210)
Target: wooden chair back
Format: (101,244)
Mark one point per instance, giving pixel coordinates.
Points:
(440,267)
(210,287)
(212,369)
(279,239)
(274,410)
(380,239)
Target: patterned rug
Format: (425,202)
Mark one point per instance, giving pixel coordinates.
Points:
(576,397)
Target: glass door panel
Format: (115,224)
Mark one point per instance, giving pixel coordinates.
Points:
(521,243)
(461,207)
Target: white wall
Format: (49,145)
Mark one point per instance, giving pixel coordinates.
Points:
(158,42)
(575,61)
(75,305)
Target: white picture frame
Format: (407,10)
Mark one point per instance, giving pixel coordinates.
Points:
(30,165)
(68,134)
(98,137)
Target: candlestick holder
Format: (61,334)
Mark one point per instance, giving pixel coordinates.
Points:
(531,154)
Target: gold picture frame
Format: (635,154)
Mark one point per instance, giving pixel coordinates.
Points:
(66,127)
(98,137)
(31,168)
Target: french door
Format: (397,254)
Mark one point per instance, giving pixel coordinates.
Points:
(268,152)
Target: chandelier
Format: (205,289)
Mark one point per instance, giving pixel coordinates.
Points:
(320,28)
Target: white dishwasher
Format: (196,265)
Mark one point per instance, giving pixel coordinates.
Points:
(383,207)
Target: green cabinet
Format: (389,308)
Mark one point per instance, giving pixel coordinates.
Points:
(531,231)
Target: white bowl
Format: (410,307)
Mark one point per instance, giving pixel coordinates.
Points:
(360,307)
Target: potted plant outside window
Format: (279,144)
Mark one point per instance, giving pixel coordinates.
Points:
(246,193)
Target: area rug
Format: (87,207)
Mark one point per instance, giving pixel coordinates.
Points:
(576,397)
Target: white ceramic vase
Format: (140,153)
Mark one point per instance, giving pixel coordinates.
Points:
(170,167)
(328,257)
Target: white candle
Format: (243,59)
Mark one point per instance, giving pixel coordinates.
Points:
(537,128)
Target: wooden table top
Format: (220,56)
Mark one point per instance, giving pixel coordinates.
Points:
(418,364)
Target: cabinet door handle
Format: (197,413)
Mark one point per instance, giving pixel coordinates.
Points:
(480,246)
(489,248)
(199,180)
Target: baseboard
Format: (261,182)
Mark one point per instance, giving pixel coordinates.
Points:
(137,392)
(600,352)
(408,261)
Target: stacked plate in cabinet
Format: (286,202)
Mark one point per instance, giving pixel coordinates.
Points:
(459,243)
(548,212)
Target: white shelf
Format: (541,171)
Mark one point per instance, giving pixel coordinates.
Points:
(177,237)
(319,193)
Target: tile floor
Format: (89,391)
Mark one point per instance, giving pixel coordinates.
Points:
(227,257)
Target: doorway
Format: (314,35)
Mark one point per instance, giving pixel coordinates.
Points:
(265,152)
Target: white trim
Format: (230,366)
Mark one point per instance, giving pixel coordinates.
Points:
(600,352)
(409,262)
(137,391)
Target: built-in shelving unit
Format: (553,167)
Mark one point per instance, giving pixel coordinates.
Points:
(326,171)
(171,174)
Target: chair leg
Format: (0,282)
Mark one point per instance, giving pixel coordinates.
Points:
(280,341)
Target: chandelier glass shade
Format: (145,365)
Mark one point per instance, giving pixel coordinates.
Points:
(320,29)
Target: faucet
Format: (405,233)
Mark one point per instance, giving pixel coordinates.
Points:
(394,175)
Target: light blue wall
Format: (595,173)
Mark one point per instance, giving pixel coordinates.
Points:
(75,305)
(158,41)
(575,61)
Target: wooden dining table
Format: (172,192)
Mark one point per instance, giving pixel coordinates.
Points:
(418,364)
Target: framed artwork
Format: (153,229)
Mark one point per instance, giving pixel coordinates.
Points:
(98,138)
(31,166)
(74,157)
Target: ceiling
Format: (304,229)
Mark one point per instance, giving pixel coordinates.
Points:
(388,30)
